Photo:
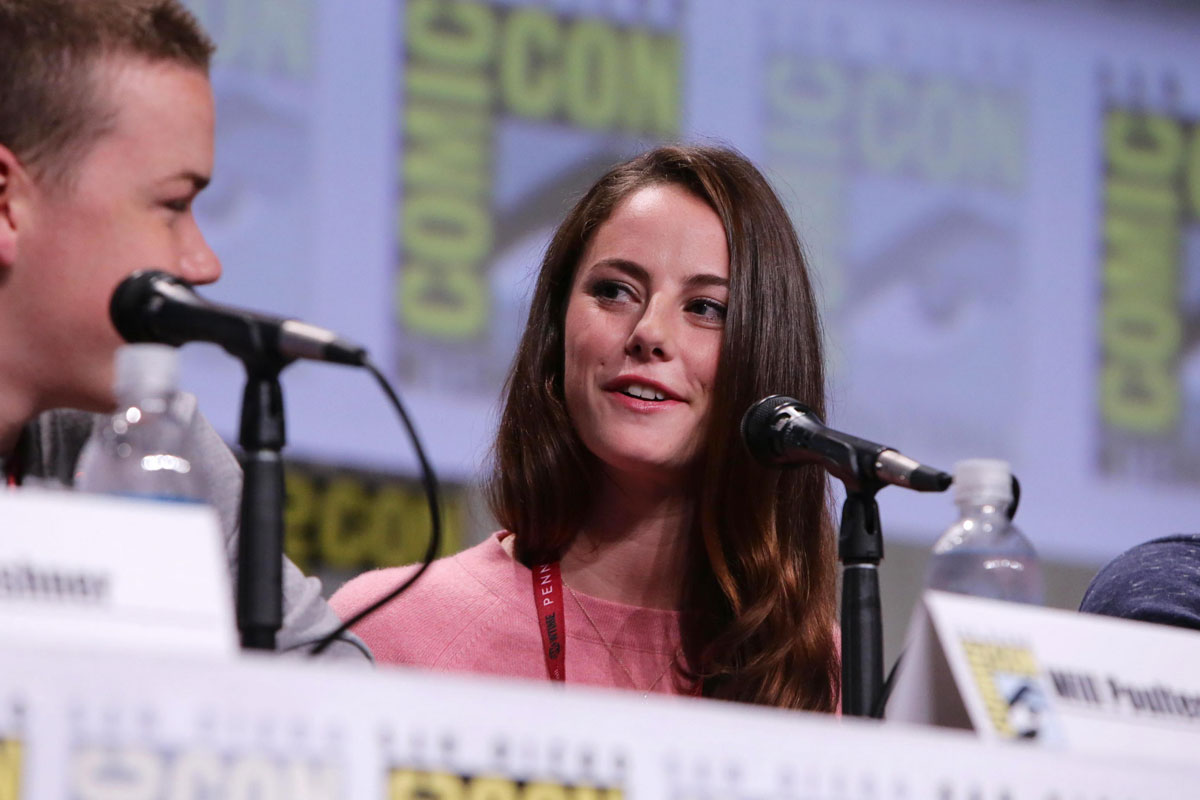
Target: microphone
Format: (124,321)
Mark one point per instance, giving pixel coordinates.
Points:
(155,306)
(781,431)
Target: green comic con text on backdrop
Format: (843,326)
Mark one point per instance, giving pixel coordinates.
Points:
(467,67)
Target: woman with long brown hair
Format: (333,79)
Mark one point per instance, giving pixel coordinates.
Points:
(643,546)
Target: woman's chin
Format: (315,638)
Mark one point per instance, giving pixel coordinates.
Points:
(648,468)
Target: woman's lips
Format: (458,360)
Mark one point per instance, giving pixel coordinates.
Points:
(640,388)
(642,405)
(641,394)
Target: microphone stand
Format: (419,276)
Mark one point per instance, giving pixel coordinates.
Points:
(782,431)
(260,546)
(860,549)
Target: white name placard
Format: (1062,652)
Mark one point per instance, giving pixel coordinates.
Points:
(97,572)
(1059,678)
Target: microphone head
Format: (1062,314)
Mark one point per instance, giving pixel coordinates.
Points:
(758,426)
(135,301)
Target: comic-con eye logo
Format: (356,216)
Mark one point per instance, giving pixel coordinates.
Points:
(1026,705)
(1008,680)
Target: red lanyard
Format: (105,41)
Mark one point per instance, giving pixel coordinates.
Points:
(14,465)
(548,602)
(12,473)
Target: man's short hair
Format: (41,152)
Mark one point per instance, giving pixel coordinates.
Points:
(52,102)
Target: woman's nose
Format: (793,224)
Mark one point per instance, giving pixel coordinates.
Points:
(649,337)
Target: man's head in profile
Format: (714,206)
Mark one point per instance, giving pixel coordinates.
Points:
(106,137)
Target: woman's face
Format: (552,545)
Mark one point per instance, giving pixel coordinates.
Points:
(643,332)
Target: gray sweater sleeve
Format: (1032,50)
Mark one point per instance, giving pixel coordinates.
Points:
(1158,581)
(51,449)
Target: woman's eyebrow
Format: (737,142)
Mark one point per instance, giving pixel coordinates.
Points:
(639,273)
(631,268)
(705,279)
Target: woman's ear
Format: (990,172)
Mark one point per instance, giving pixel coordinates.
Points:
(15,183)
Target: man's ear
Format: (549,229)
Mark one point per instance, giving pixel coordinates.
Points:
(14,184)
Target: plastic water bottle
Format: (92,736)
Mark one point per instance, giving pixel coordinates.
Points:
(143,449)
(983,553)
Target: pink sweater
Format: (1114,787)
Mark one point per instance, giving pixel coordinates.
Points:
(474,612)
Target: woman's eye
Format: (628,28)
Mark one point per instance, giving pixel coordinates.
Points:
(708,309)
(610,290)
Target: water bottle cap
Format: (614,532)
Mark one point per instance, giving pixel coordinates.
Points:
(143,370)
(982,479)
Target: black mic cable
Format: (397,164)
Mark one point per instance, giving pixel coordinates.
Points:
(429,482)
(155,306)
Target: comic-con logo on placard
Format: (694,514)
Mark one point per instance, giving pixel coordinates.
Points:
(102,772)
(10,769)
(1007,678)
(407,784)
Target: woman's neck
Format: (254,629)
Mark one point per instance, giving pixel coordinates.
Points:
(632,547)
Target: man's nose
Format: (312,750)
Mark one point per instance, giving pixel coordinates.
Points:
(199,265)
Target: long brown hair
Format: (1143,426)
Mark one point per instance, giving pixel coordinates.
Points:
(758,611)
